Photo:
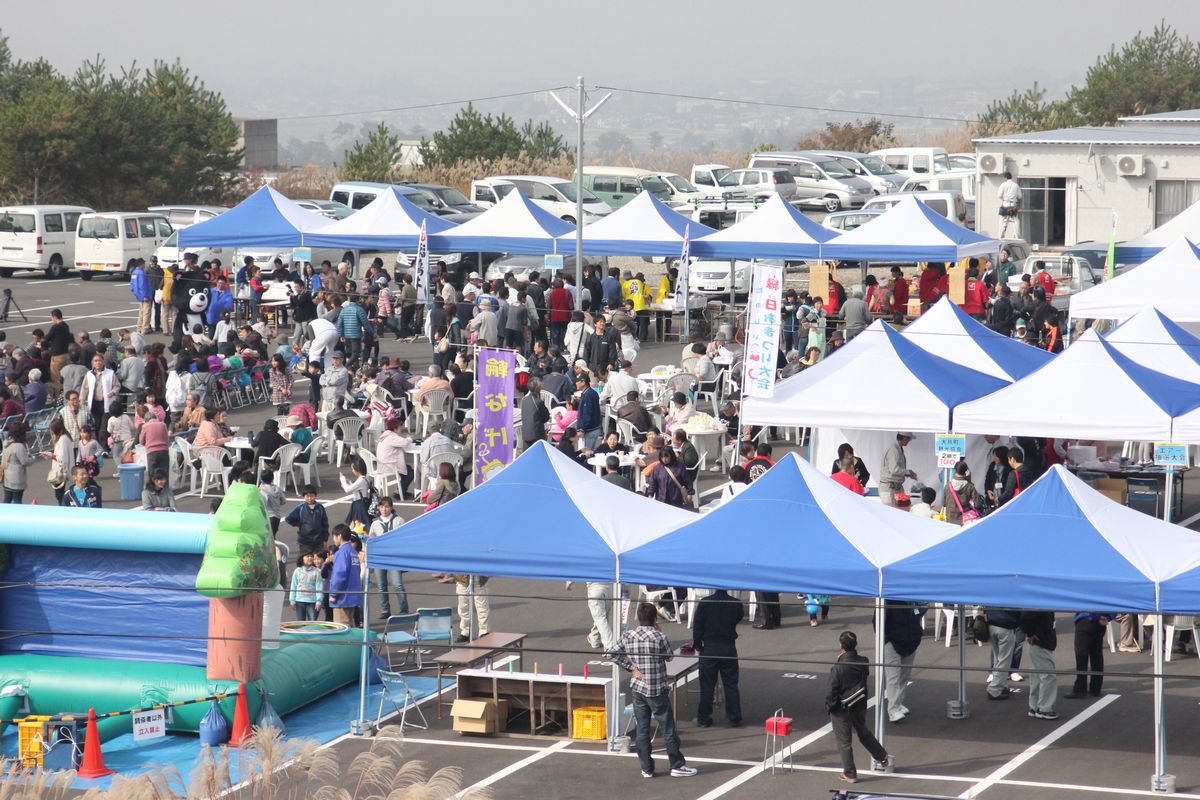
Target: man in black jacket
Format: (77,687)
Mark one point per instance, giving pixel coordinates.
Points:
(1003,314)
(603,348)
(846,704)
(714,635)
(534,414)
(901,638)
(1018,478)
(1038,627)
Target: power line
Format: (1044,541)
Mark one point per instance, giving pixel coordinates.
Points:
(423,105)
(766,104)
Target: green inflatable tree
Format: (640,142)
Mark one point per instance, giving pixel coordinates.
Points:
(240,554)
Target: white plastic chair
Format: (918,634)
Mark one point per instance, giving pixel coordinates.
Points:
(1180,622)
(430,468)
(185,449)
(309,469)
(654,595)
(286,457)
(434,404)
(214,466)
(347,435)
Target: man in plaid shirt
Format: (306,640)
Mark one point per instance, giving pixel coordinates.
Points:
(644,651)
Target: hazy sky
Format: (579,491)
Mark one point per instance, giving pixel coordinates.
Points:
(272,58)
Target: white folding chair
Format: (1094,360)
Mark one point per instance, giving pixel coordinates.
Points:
(214,466)
(435,404)
(396,684)
(347,435)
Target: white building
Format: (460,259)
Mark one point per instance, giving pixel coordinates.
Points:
(1145,170)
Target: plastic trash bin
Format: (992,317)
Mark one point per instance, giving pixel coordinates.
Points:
(133,477)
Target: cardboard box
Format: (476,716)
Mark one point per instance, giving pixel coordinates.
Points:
(1112,488)
(480,715)
(914,307)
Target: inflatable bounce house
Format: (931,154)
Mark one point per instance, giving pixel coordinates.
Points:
(117,610)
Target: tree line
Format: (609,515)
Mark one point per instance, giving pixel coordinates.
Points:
(112,140)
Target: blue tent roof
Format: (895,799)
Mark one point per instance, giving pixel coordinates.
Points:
(389,222)
(514,225)
(776,230)
(264,219)
(586,522)
(643,227)
(792,530)
(947,331)
(1058,545)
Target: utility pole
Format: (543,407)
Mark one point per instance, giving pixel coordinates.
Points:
(580,117)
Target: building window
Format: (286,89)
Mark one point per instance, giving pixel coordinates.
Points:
(1172,197)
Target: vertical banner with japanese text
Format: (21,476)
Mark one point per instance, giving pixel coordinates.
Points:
(421,280)
(762,331)
(494,397)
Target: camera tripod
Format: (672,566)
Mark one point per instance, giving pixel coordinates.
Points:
(10,303)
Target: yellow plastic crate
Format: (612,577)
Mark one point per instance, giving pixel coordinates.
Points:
(31,740)
(589,722)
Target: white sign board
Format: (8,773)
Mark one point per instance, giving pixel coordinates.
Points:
(762,331)
(149,724)
(951,448)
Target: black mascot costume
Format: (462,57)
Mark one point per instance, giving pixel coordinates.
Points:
(190,295)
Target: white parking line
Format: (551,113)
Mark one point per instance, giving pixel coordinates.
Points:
(518,766)
(61,305)
(52,280)
(127,314)
(1050,738)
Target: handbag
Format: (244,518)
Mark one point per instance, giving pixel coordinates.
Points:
(968,515)
(687,498)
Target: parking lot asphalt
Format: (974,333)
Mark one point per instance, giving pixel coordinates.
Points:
(1098,748)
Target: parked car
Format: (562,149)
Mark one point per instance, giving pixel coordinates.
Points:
(1071,273)
(763,182)
(181,215)
(872,169)
(358,194)
(556,195)
(958,180)
(820,180)
(913,162)
(682,190)
(962,161)
(849,220)
(105,243)
(716,181)
(950,204)
(618,185)
(38,238)
(522,265)
(327,208)
(710,277)
(446,198)
(169,254)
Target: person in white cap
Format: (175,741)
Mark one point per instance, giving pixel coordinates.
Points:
(485,325)
(895,469)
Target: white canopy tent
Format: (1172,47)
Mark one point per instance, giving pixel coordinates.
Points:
(389,222)
(1154,341)
(1089,391)
(843,391)
(946,331)
(514,225)
(775,230)
(1170,281)
(909,230)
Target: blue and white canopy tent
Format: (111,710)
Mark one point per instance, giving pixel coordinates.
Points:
(264,219)
(909,231)
(1169,281)
(1151,339)
(1089,391)
(514,225)
(487,531)
(389,222)
(643,227)
(945,330)
(776,230)
(792,530)
(1060,545)
(842,391)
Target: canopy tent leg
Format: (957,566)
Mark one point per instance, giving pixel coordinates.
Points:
(359,726)
(472,628)
(1169,493)
(880,704)
(1160,781)
(960,708)
(616,711)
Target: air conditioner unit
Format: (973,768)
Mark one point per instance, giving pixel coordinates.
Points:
(1131,165)
(991,163)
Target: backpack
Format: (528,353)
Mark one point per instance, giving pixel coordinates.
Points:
(175,394)
(373,500)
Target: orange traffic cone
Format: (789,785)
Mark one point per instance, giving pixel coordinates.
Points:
(241,719)
(93,759)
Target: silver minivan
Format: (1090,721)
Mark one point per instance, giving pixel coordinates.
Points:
(820,180)
(872,169)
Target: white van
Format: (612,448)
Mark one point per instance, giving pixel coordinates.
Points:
(556,195)
(105,243)
(38,237)
(914,162)
(955,180)
(619,185)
